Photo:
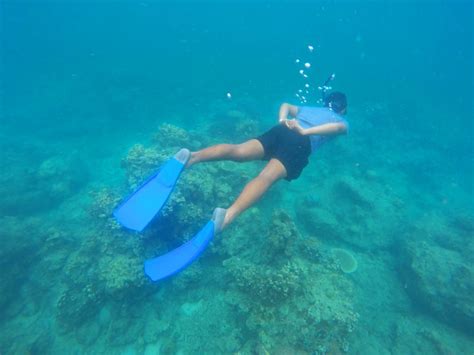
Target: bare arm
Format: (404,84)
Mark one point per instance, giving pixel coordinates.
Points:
(327,129)
(287,110)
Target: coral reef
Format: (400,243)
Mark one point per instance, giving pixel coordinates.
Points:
(268,285)
(282,236)
(291,303)
(119,272)
(141,162)
(396,191)
(300,307)
(234,123)
(169,135)
(206,325)
(76,306)
(101,271)
(199,190)
(101,207)
(189,278)
(311,248)
(345,260)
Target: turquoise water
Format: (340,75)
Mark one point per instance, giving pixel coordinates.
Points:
(95,96)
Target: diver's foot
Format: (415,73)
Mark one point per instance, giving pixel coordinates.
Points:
(192,159)
(218,217)
(183,156)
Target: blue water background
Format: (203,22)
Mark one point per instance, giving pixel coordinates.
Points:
(91,79)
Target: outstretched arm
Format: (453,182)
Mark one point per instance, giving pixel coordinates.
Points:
(287,110)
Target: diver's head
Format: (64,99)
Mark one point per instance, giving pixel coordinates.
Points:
(337,102)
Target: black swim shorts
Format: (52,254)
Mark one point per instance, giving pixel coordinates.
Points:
(289,147)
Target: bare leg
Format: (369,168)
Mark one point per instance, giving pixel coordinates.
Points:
(255,189)
(250,150)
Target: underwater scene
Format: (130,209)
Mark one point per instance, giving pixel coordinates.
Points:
(364,245)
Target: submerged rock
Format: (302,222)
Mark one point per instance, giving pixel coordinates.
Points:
(38,188)
(62,176)
(352,211)
(441,280)
(77,306)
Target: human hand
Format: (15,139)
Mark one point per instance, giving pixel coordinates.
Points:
(294,126)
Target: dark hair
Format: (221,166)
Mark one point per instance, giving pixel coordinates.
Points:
(336,101)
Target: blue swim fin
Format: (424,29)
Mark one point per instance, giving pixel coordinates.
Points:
(144,204)
(177,259)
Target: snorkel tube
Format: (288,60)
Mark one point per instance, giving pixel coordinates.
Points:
(324,88)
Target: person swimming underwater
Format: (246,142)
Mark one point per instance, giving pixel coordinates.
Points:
(286,146)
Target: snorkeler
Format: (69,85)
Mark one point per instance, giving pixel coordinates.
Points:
(286,147)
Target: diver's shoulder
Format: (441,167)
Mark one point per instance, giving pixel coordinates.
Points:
(313,108)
